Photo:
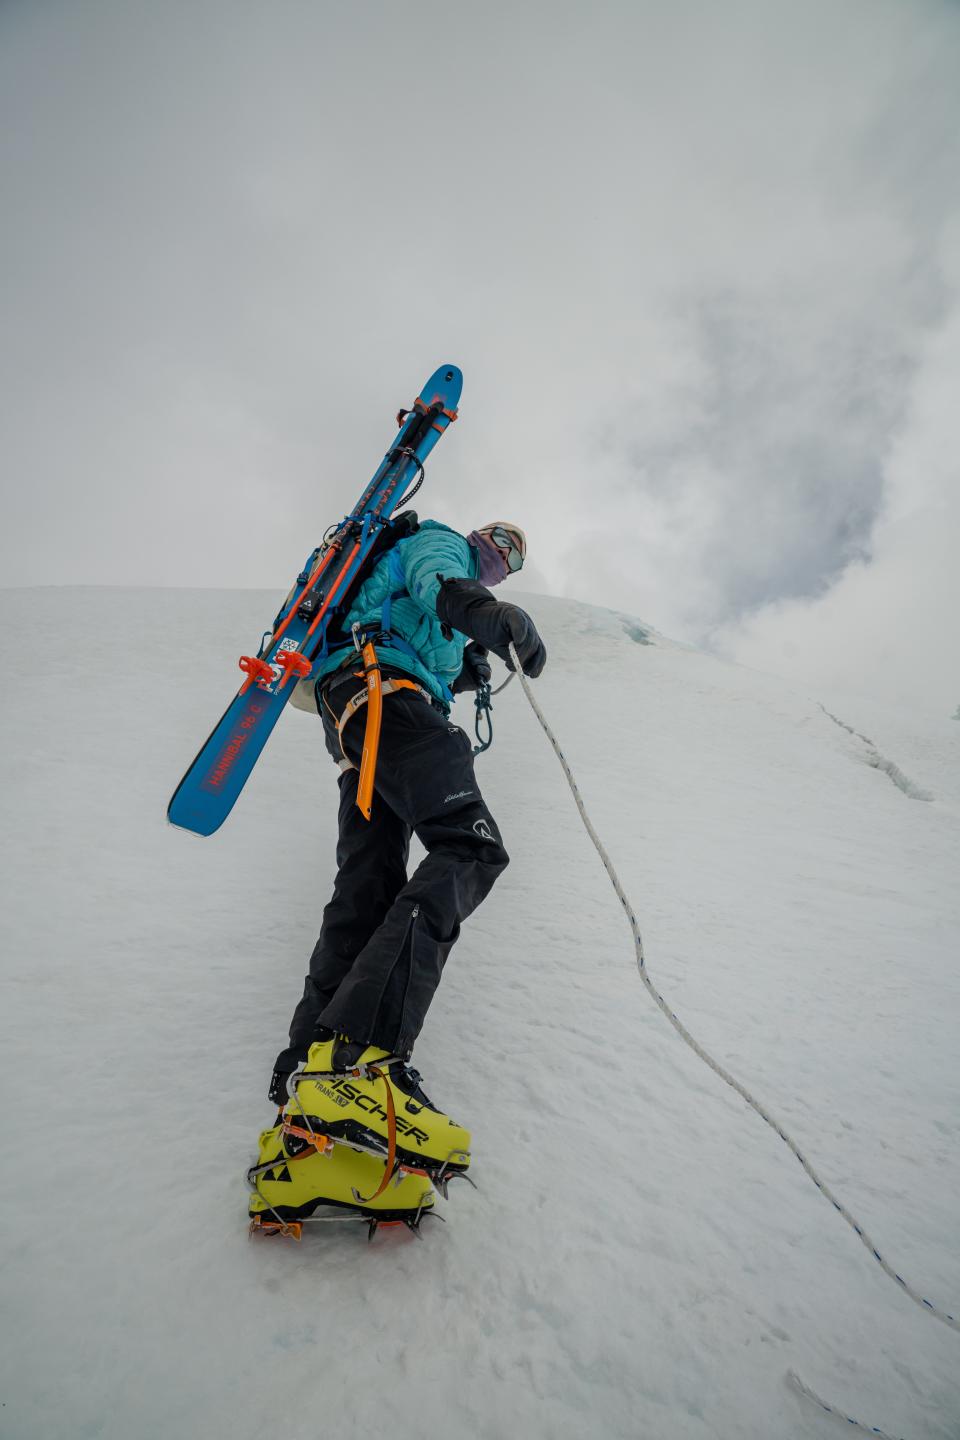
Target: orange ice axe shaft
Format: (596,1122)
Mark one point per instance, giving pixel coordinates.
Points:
(371,735)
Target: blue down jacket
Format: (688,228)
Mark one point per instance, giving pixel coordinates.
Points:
(434,550)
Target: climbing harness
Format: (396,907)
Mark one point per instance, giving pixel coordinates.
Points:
(372,697)
(714,1065)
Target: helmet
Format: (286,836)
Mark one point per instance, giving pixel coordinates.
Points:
(509,538)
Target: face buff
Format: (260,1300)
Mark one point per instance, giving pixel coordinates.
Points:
(493,567)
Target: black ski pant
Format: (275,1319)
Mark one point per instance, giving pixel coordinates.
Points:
(385,938)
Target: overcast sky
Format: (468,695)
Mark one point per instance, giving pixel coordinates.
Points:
(699,262)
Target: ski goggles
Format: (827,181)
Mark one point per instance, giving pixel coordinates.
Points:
(513,542)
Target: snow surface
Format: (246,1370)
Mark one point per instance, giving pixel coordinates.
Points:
(644,1258)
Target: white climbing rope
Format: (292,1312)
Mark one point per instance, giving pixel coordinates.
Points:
(714,1065)
(802,1388)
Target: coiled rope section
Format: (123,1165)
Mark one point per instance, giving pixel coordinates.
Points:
(714,1065)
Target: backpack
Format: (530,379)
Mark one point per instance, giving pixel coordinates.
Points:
(399,528)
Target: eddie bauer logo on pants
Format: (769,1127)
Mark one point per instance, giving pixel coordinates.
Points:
(482,828)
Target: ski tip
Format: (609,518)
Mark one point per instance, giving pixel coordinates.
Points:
(445,384)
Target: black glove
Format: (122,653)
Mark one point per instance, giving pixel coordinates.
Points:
(468,606)
(476,670)
(526,641)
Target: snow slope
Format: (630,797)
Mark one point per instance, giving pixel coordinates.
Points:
(644,1258)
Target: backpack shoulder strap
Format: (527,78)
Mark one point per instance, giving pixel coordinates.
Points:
(398,584)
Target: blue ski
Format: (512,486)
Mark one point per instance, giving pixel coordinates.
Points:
(209,789)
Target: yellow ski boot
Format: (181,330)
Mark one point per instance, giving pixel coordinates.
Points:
(372,1099)
(295,1177)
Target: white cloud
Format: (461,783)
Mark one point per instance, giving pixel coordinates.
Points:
(690,258)
(889,624)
